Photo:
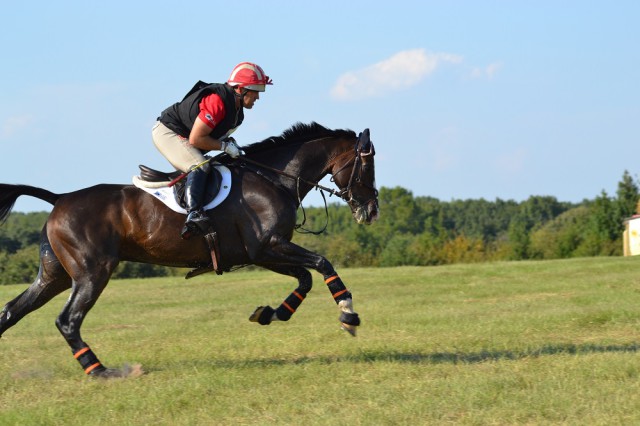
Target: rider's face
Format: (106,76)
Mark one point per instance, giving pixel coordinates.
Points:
(250,97)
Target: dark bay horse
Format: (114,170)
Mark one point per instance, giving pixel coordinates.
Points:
(91,230)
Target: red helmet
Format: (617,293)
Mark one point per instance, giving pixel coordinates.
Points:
(250,76)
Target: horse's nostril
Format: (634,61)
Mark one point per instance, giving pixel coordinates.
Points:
(373,212)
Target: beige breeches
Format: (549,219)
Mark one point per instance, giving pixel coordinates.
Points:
(175,148)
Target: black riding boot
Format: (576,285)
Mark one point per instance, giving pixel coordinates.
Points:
(197,222)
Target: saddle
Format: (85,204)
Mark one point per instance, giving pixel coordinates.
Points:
(157,183)
(218,187)
(147,174)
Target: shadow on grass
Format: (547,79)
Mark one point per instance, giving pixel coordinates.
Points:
(436,357)
(489,355)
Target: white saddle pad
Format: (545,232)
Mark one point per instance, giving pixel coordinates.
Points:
(162,192)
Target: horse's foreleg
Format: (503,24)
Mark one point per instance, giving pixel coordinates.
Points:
(349,319)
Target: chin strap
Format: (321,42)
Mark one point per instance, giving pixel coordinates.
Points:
(240,95)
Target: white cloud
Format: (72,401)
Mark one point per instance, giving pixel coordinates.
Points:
(400,71)
(13,125)
(487,72)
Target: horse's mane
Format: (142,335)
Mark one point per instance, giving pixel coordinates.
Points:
(296,134)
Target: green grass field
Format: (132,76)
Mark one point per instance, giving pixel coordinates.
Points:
(552,342)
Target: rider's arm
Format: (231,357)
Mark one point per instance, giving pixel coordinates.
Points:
(211,113)
(200,137)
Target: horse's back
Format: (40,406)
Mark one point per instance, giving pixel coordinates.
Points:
(91,205)
(97,215)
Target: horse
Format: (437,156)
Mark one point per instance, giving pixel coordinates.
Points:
(91,230)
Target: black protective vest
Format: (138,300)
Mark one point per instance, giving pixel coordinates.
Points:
(180,116)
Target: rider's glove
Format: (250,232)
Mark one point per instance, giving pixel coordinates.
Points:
(230,147)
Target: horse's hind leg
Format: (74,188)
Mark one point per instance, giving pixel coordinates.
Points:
(84,295)
(52,279)
(86,289)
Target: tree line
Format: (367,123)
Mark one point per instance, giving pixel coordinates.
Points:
(411,231)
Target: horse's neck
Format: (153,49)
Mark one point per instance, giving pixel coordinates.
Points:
(311,162)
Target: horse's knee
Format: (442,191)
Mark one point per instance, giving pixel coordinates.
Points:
(324,267)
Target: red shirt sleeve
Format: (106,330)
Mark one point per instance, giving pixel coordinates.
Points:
(212,110)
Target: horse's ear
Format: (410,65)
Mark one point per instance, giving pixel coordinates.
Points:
(364,141)
(364,144)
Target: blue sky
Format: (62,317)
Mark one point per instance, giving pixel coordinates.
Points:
(464,99)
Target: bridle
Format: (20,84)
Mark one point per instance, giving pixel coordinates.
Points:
(346,193)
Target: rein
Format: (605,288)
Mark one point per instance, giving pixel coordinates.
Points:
(298,179)
(300,226)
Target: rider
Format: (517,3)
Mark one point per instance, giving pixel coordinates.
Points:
(201,122)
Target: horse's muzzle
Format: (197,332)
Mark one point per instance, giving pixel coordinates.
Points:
(366,213)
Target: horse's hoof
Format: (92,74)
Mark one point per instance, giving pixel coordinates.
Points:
(350,320)
(351,329)
(126,372)
(262,315)
(256,314)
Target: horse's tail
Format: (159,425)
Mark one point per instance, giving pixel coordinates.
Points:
(10,193)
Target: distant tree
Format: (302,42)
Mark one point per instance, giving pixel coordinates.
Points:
(140,270)
(627,198)
(8,244)
(462,250)
(538,210)
(399,212)
(432,215)
(397,251)
(519,237)
(19,267)
(425,249)
(370,241)
(603,231)
(346,252)
(533,213)
(21,230)
(315,243)
(479,218)
(561,237)
(19,250)
(606,223)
